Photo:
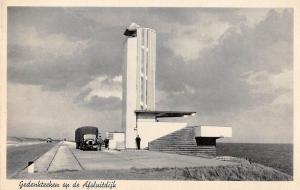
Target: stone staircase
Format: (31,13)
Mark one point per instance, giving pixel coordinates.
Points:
(182,142)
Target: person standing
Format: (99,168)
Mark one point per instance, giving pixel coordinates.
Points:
(138,142)
(100,142)
(106,143)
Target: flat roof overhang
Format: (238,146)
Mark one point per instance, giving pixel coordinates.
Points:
(160,114)
(212,131)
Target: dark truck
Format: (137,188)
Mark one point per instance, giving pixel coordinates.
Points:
(86,138)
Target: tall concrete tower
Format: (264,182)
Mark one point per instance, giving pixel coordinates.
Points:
(138,77)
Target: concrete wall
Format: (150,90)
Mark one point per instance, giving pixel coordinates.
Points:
(149,131)
(212,131)
(117,141)
(130,92)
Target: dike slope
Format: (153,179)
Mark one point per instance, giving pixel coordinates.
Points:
(240,172)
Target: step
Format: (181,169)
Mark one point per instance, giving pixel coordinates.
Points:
(207,151)
(162,149)
(191,154)
(181,142)
(173,141)
(181,148)
(178,137)
(176,143)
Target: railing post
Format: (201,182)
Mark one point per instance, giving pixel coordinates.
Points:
(30,167)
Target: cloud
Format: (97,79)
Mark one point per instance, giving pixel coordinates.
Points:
(219,79)
(253,17)
(188,42)
(49,20)
(99,103)
(232,66)
(65,51)
(80,62)
(263,81)
(91,40)
(244,81)
(52,45)
(105,87)
(103,93)
(33,112)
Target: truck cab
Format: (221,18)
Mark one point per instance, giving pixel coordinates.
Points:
(90,142)
(86,138)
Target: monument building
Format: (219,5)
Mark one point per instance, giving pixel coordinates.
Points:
(139,116)
(138,78)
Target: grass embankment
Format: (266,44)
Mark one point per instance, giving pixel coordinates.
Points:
(239,172)
(242,172)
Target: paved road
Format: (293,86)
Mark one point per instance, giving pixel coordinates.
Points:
(19,156)
(116,160)
(64,158)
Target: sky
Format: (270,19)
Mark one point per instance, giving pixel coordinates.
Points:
(234,67)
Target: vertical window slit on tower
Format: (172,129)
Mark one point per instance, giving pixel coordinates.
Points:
(142,60)
(143,37)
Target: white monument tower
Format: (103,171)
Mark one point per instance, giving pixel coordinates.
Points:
(138,77)
(139,116)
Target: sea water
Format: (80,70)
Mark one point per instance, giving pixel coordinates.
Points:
(277,156)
